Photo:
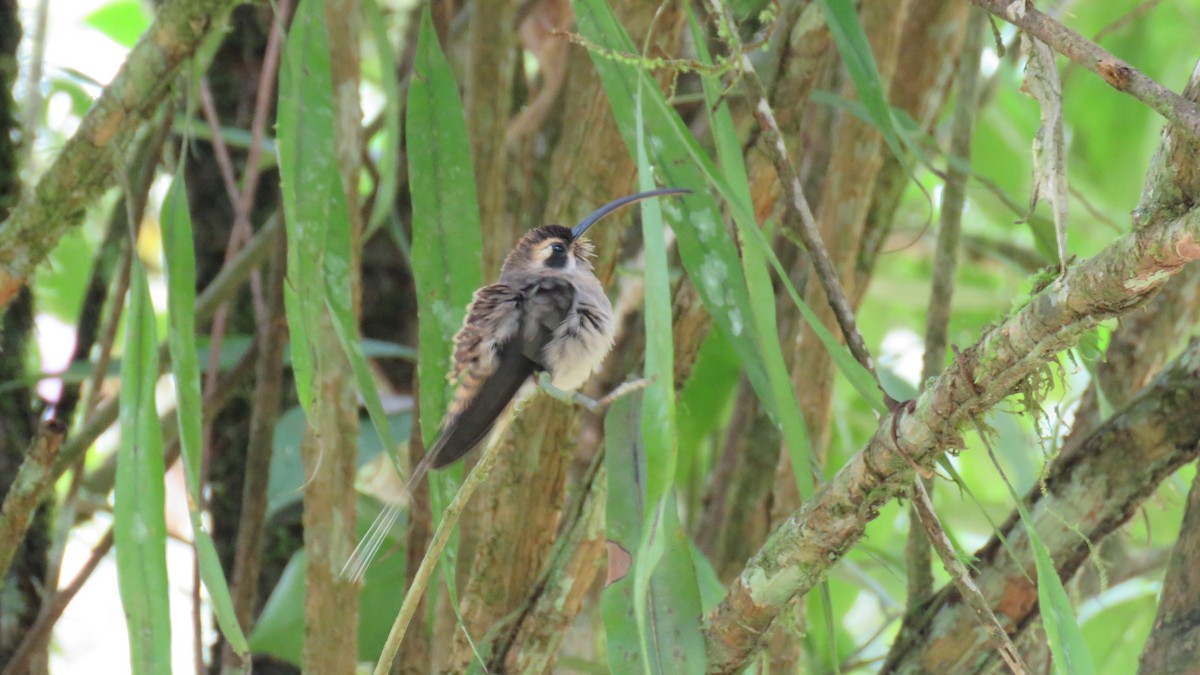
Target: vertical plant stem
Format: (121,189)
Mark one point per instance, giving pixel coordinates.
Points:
(945,265)
(268,378)
(416,591)
(329,447)
(415,653)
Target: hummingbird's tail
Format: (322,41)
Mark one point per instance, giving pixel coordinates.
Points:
(366,550)
(459,436)
(462,432)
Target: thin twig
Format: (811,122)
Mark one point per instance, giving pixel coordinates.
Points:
(945,266)
(416,591)
(39,632)
(268,385)
(243,203)
(1118,74)
(962,579)
(224,285)
(798,216)
(1113,26)
(27,489)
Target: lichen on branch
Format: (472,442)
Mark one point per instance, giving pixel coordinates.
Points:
(90,161)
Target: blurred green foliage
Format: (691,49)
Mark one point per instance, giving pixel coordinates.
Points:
(1111,139)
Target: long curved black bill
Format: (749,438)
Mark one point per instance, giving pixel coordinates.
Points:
(608,208)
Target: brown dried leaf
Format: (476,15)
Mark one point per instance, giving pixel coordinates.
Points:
(1049,147)
(619,562)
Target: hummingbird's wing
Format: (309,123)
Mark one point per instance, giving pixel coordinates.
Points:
(497,349)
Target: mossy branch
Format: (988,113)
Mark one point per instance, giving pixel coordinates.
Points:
(1118,74)
(1091,490)
(88,163)
(34,476)
(802,551)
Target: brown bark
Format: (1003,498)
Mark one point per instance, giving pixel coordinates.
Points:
(800,552)
(87,164)
(331,436)
(1090,493)
(521,508)
(1174,644)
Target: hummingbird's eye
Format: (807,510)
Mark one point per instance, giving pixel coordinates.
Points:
(558,248)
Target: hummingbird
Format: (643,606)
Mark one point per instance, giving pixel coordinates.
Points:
(547,315)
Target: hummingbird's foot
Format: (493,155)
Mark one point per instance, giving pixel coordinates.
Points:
(568,397)
(593,405)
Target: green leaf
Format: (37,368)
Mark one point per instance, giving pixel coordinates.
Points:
(339,300)
(1067,644)
(446,234)
(180,258)
(287,476)
(658,399)
(123,21)
(389,157)
(855,49)
(1071,655)
(320,260)
(279,629)
(758,282)
(703,401)
(668,639)
(139,523)
(708,252)
(306,161)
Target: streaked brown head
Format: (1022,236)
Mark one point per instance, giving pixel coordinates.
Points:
(554,247)
(550,247)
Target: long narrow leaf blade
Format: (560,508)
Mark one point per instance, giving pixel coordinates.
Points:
(623,457)
(339,299)
(385,191)
(446,237)
(139,522)
(852,44)
(306,159)
(708,252)
(658,400)
(1067,644)
(667,599)
(684,163)
(320,260)
(180,258)
(667,638)
(758,283)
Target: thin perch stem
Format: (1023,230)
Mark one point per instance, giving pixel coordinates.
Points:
(421,581)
